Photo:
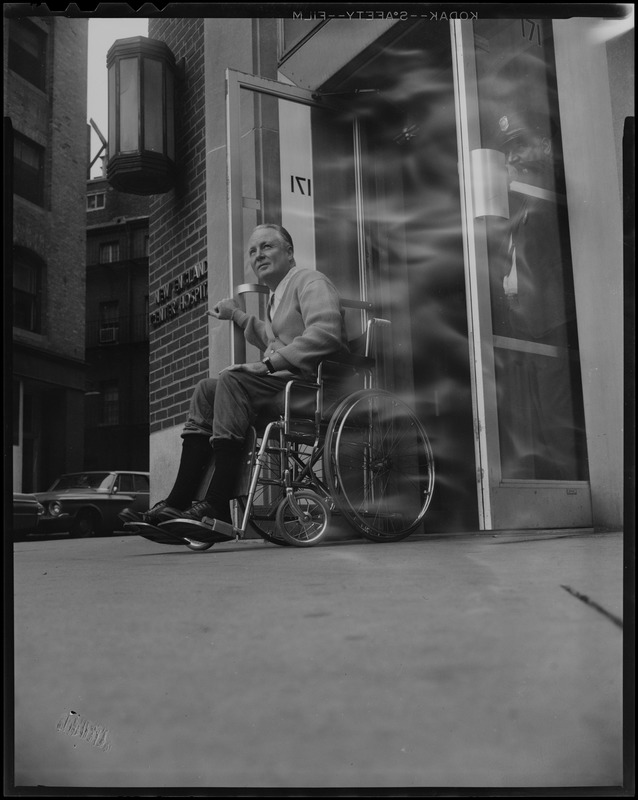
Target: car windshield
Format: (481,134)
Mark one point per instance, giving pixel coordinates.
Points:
(80,480)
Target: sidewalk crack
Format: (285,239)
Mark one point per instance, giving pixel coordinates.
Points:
(589,602)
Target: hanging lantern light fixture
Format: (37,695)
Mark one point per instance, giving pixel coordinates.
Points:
(141,113)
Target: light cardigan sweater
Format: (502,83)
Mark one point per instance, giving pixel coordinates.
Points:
(308,324)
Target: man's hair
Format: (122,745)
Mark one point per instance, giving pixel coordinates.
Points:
(280,230)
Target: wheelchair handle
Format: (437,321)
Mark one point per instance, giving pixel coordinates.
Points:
(245,288)
(375,321)
(361,304)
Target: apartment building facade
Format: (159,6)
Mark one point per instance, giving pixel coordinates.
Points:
(117,327)
(46,149)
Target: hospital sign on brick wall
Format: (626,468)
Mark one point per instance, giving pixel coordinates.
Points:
(180,294)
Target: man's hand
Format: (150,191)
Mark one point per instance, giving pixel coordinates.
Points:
(224,309)
(256,369)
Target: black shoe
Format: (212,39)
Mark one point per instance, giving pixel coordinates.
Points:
(128,515)
(161,512)
(202,509)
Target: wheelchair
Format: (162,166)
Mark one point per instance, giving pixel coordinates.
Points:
(339,447)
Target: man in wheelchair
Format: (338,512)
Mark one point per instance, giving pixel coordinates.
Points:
(305,324)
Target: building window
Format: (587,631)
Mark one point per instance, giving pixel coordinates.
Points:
(126,482)
(28,169)
(95,201)
(28,273)
(27,51)
(110,403)
(109,322)
(140,243)
(141,483)
(109,252)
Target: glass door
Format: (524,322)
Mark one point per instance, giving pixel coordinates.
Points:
(527,396)
(294,160)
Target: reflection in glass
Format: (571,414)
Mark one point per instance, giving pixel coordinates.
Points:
(129,105)
(153,111)
(537,412)
(531,273)
(538,388)
(112,106)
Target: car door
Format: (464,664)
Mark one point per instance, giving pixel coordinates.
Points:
(142,491)
(131,492)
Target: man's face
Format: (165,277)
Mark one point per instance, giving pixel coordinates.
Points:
(525,153)
(270,256)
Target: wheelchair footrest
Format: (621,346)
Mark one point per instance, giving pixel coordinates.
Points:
(208,530)
(153,533)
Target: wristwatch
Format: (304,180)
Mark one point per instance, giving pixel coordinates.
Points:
(269,365)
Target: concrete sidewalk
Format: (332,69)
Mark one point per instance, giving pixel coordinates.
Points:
(475,660)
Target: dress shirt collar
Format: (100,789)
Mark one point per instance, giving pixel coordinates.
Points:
(281,288)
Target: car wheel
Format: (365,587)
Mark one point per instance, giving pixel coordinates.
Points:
(84,525)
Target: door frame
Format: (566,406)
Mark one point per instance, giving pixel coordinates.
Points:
(502,503)
(477,292)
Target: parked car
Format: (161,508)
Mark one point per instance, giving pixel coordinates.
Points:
(27,510)
(87,503)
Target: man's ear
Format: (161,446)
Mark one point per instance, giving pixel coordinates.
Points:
(546,146)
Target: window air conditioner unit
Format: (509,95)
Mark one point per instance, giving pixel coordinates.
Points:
(108,335)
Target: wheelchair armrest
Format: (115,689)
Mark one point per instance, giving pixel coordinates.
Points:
(308,408)
(350,360)
(304,387)
(294,383)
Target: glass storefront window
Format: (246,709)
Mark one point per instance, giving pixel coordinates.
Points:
(538,386)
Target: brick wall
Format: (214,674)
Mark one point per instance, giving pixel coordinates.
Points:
(117,204)
(124,360)
(179,343)
(49,363)
(67,190)
(56,119)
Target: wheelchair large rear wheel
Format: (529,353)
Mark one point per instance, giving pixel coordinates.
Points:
(378,465)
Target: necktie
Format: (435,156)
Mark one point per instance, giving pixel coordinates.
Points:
(271,302)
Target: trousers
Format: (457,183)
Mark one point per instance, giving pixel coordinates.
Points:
(224,408)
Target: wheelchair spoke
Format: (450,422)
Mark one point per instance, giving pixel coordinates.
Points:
(303,519)
(379,465)
(305,465)
(268,495)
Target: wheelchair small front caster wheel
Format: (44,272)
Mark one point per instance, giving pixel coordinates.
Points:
(303,521)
